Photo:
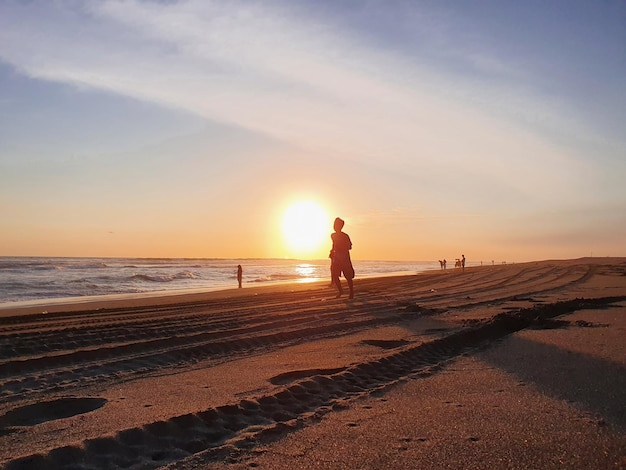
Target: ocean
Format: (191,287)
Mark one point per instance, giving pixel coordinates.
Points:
(33,278)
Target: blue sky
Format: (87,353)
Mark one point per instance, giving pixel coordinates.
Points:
(138,128)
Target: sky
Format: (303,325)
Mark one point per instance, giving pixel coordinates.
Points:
(490,128)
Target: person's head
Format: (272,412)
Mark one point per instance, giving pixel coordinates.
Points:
(338,225)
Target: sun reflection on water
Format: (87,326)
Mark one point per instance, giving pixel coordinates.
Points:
(307,272)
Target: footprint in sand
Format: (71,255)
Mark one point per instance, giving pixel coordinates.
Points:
(31,415)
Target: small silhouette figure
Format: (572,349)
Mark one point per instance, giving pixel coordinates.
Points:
(441,264)
(445,263)
(463,262)
(340,258)
(239,274)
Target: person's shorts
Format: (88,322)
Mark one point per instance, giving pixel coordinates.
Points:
(341,266)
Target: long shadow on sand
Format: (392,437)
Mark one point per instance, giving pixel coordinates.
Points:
(592,383)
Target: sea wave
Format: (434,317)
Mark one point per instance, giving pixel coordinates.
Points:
(30,278)
(10,266)
(183,275)
(9,286)
(279,277)
(84,283)
(186,275)
(82,265)
(56,265)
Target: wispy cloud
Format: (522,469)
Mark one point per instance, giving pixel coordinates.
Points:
(265,67)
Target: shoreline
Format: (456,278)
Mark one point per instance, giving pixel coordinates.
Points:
(190,295)
(167,296)
(141,297)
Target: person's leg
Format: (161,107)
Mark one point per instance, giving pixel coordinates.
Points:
(351,287)
(339,288)
(337,281)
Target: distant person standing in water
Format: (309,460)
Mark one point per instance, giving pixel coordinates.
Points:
(463,262)
(239,274)
(340,258)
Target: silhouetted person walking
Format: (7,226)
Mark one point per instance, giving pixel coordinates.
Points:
(239,274)
(340,258)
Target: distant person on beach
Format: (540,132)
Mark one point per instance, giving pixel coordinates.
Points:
(239,274)
(445,263)
(463,262)
(340,258)
(441,264)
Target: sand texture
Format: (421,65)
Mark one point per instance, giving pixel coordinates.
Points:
(508,366)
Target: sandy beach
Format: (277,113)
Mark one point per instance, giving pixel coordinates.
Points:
(506,366)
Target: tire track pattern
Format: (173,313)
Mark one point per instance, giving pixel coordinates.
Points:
(102,363)
(217,433)
(62,352)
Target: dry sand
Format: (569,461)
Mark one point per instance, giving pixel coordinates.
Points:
(515,366)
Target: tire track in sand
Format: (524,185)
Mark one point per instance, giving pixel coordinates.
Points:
(139,341)
(220,432)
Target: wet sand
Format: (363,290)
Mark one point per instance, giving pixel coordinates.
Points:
(508,366)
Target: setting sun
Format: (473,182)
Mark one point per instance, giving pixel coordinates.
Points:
(305,229)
